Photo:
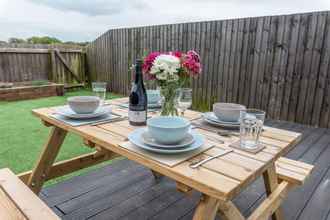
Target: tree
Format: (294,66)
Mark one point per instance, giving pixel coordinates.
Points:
(43,40)
(14,40)
(77,43)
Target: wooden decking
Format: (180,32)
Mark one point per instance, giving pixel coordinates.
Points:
(126,190)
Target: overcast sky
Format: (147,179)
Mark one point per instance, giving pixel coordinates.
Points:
(84,20)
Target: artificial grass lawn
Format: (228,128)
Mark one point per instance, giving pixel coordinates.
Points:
(22,135)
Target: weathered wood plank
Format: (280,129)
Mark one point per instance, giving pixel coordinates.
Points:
(232,60)
(226,59)
(292,48)
(307,62)
(250,57)
(216,70)
(314,70)
(276,65)
(238,58)
(221,61)
(256,65)
(243,71)
(324,73)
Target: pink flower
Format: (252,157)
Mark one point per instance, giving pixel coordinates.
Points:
(178,54)
(147,64)
(192,63)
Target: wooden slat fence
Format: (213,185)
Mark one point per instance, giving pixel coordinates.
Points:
(20,63)
(276,63)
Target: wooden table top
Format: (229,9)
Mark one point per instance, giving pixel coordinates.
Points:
(221,178)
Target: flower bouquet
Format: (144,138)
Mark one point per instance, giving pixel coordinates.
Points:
(171,70)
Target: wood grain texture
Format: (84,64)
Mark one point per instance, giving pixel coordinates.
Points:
(221,178)
(9,211)
(272,203)
(46,159)
(271,185)
(21,202)
(276,63)
(71,165)
(309,199)
(206,209)
(40,63)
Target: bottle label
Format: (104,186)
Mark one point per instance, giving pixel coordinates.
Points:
(137,116)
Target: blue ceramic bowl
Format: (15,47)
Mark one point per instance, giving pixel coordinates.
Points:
(228,111)
(153,96)
(83,104)
(168,129)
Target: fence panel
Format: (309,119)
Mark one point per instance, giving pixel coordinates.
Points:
(23,62)
(276,63)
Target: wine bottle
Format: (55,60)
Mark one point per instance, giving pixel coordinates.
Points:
(137,114)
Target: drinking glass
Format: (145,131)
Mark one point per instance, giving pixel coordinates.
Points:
(184,99)
(99,89)
(251,123)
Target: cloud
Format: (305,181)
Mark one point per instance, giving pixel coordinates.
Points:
(93,8)
(83,20)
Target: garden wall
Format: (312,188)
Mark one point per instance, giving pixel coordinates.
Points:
(23,92)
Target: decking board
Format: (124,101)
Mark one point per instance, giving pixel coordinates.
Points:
(116,191)
(139,200)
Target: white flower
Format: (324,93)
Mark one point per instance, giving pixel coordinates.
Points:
(161,76)
(166,67)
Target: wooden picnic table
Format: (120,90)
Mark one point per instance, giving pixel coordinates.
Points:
(219,180)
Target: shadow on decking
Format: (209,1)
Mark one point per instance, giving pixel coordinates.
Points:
(126,190)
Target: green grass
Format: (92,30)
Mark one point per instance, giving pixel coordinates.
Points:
(22,135)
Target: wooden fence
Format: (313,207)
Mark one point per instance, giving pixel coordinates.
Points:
(276,63)
(41,62)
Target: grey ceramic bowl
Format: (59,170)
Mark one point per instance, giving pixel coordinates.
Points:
(153,96)
(227,111)
(84,104)
(168,129)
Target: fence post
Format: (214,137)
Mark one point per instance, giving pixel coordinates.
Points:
(52,75)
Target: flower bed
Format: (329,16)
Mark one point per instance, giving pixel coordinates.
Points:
(30,90)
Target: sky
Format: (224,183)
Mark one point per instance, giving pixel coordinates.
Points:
(85,20)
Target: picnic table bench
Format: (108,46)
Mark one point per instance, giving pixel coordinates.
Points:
(219,180)
(17,201)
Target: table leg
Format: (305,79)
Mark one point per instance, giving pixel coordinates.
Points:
(206,209)
(271,183)
(156,175)
(228,211)
(46,159)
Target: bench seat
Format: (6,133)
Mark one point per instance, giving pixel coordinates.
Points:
(290,173)
(17,201)
(293,171)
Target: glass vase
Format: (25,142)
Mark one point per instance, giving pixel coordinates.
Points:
(168,102)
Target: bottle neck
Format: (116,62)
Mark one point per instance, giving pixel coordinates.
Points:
(138,75)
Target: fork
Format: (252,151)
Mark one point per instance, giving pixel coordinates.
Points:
(197,164)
